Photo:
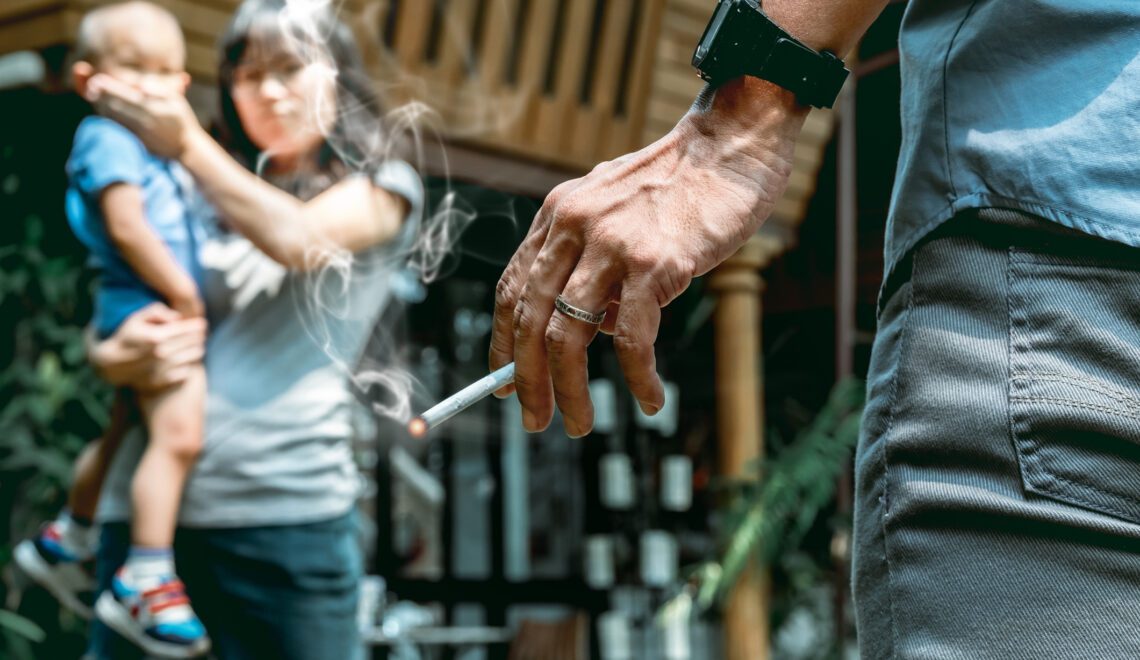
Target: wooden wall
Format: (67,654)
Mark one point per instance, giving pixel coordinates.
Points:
(559,84)
(675,85)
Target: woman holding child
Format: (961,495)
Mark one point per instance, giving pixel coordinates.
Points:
(266,541)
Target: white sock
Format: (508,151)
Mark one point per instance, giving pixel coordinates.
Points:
(78,537)
(149,566)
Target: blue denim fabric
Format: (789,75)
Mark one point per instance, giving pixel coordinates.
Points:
(272,593)
(998,476)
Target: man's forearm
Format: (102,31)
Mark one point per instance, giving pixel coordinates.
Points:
(832,25)
(758,116)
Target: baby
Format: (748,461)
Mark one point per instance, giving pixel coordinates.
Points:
(130,208)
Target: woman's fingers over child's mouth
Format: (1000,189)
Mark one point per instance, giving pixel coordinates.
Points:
(102,84)
(117,100)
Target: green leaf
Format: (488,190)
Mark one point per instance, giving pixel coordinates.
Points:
(23,627)
(796,484)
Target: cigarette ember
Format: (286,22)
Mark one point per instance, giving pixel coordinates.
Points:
(461,400)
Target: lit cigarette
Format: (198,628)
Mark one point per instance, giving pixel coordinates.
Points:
(461,400)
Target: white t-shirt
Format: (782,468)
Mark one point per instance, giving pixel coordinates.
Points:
(279,405)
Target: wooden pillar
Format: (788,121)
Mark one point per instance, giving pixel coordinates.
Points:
(740,421)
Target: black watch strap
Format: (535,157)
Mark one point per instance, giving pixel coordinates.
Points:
(815,78)
(741,40)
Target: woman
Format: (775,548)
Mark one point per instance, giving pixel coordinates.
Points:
(297,267)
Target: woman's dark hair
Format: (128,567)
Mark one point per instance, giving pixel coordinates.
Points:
(357,141)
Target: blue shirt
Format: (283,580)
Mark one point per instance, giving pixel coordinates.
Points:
(105,153)
(1026,104)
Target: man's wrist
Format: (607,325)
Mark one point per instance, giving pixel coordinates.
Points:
(758,115)
(754,101)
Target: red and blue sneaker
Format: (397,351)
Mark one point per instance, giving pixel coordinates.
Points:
(157,619)
(48,562)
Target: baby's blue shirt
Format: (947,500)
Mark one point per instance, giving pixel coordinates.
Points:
(105,153)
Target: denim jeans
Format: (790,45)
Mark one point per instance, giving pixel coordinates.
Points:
(998,474)
(280,593)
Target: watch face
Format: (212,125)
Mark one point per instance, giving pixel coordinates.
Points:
(709,37)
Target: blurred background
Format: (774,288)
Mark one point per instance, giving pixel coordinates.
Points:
(718,528)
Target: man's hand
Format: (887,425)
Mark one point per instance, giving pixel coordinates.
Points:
(628,238)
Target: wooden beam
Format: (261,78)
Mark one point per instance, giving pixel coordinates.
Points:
(740,421)
(11,10)
(641,82)
(521,176)
(57,26)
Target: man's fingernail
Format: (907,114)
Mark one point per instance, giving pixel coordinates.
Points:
(529,421)
(648,409)
(575,434)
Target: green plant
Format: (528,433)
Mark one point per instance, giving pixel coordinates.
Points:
(784,497)
(51,403)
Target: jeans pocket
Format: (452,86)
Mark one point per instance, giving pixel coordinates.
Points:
(1074,377)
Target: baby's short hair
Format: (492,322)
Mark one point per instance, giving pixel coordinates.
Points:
(91,39)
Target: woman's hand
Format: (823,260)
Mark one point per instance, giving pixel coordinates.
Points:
(152,350)
(161,118)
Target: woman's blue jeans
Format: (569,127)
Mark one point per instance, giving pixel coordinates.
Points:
(280,593)
(998,475)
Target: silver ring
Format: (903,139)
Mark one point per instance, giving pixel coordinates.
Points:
(577,312)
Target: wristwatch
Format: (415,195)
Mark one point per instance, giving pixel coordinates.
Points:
(741,40)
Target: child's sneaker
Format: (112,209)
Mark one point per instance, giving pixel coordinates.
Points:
(65,574)
(157,619)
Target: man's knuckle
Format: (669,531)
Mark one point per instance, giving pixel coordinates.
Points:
(500,343)
(504,297)
(524,323)
(639,261)
(523,382)
(505,288)
(559,193)
(627,343)
(570,214)
(558,339)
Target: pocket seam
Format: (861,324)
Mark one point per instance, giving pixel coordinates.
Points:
(1051,473)
(1075,488)
(1076,404)
(1089,384)
(1037,474)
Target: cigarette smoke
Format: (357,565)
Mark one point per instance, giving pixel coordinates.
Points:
(334,293)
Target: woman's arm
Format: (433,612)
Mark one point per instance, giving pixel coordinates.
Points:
(152,350)
(351,215)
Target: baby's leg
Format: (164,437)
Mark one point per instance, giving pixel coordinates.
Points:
(147,603)
(174,422)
